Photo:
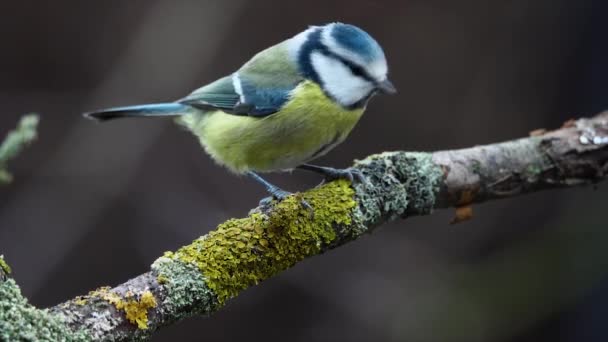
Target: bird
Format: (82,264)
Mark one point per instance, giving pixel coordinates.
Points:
(288,105)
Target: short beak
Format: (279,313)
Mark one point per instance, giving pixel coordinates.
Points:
(387,87)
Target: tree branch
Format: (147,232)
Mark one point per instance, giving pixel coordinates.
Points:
(200,277)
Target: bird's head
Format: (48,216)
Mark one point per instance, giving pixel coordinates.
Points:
(346,61)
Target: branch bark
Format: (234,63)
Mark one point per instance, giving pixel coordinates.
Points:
(200,277)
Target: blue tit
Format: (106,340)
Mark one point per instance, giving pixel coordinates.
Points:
(288,105)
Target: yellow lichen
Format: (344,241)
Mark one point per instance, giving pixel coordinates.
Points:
(4,266)
(82,301)
(243,252)
(136,311)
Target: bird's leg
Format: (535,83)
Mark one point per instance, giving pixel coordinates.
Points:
(274,190)
(330,173)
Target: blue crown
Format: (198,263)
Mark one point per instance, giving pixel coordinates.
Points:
(357,40)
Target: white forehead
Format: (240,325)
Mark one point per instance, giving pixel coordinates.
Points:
(375,64)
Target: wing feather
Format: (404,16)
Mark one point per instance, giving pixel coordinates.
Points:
(259,88)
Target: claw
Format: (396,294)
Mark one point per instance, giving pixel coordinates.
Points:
(280,194)
(311,211)
(351,174)
(341,174)
(277,193)
(265,201)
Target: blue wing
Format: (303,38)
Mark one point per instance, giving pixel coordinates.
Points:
(239,95)
(260,88)
(217,95)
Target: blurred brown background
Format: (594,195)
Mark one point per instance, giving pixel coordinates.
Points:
(94,205)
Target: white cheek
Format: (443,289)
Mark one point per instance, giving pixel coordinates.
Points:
(339,81)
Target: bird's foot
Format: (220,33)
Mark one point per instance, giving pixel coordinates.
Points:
(280,194)
(277,193)
(351,174)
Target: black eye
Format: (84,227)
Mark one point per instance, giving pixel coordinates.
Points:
(357,70)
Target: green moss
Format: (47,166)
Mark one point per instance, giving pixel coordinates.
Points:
(4,266)
(20,321)
(243,252)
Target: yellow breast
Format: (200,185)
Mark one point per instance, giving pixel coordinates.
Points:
(308,126)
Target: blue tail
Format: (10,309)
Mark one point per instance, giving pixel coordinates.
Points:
(147,110)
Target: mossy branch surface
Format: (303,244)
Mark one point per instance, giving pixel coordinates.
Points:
(14,142)
(200,277)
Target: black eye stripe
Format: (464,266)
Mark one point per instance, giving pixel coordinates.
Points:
(356,69)
(314,44)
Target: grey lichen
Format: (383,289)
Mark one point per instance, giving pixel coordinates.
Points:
(184,289)
(399,182)
(89,312)
(24,134)
(20,321)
